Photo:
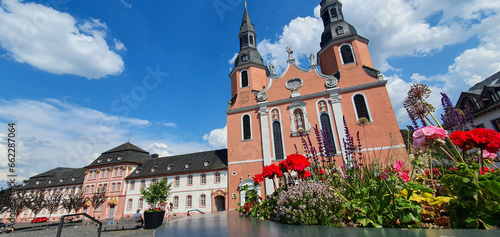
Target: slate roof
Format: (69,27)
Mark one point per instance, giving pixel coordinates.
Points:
(55,177)
(217,159)
(480,92)
(125,153)
(487,82)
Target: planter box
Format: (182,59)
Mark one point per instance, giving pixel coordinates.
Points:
(153,220)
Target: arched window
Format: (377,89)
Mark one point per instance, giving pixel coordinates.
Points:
(251,40)
(244,78)
(278,141)
(247,131)
(361,107)
(327,128)
(347,54)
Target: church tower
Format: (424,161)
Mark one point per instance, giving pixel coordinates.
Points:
(341,46)
(249,72)
(244,141)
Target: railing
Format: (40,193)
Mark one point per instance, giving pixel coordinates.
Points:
(59,230)
(195,210)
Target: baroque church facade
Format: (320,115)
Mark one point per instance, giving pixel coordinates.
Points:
(268,112)
(265,116)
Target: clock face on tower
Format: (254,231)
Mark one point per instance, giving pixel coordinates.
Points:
(245,99)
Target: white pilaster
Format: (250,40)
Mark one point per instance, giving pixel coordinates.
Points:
(266,144)
(339,118)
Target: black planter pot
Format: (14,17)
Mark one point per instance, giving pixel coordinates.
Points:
(153,220)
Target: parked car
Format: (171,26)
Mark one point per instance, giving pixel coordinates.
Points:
(39,219)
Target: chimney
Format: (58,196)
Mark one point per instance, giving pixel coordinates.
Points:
(154,155)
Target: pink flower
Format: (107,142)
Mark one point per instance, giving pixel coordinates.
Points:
(425,136)
(397,165)
(487,154)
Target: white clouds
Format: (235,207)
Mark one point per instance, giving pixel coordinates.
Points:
(302,34)
(119,45)
(159,148)
(217,137)
(55,42)
(173,125)
(52,133)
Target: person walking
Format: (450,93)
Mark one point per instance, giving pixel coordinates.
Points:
(170,210)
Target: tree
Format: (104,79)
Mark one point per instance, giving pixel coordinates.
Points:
(157,193)
(98,198)
(18,202)
(78,200)
(5,200)
(36,201)
(12,201)
(53,202)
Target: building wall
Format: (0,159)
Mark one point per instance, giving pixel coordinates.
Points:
(211,189)
(112,181)
(488,119)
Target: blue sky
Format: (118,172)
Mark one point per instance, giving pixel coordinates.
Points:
(77,77)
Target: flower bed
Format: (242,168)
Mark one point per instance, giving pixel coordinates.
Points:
(446,183)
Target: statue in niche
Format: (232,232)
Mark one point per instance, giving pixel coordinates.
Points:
(275,114)
(299,119)
(322,106)
(271,68)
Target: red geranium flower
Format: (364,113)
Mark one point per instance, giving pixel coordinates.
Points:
(485,170)
(485,139)
(296,162)
(258,178)
(271,171)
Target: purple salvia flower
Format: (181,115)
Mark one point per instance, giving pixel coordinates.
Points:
(469,116)
(413,120)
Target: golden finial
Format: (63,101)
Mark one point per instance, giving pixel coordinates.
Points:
(245,3)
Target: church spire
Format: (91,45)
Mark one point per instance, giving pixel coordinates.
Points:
(248,45)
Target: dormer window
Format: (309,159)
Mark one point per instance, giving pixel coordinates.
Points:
(50,181)
(120,157)
(339,30)
(110,158)
(37,182)
(73,179)
(137,171)
(61,180)
(169,167)
(244,58)
(154,168)
(187,165)
(206,163)
(99,160)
